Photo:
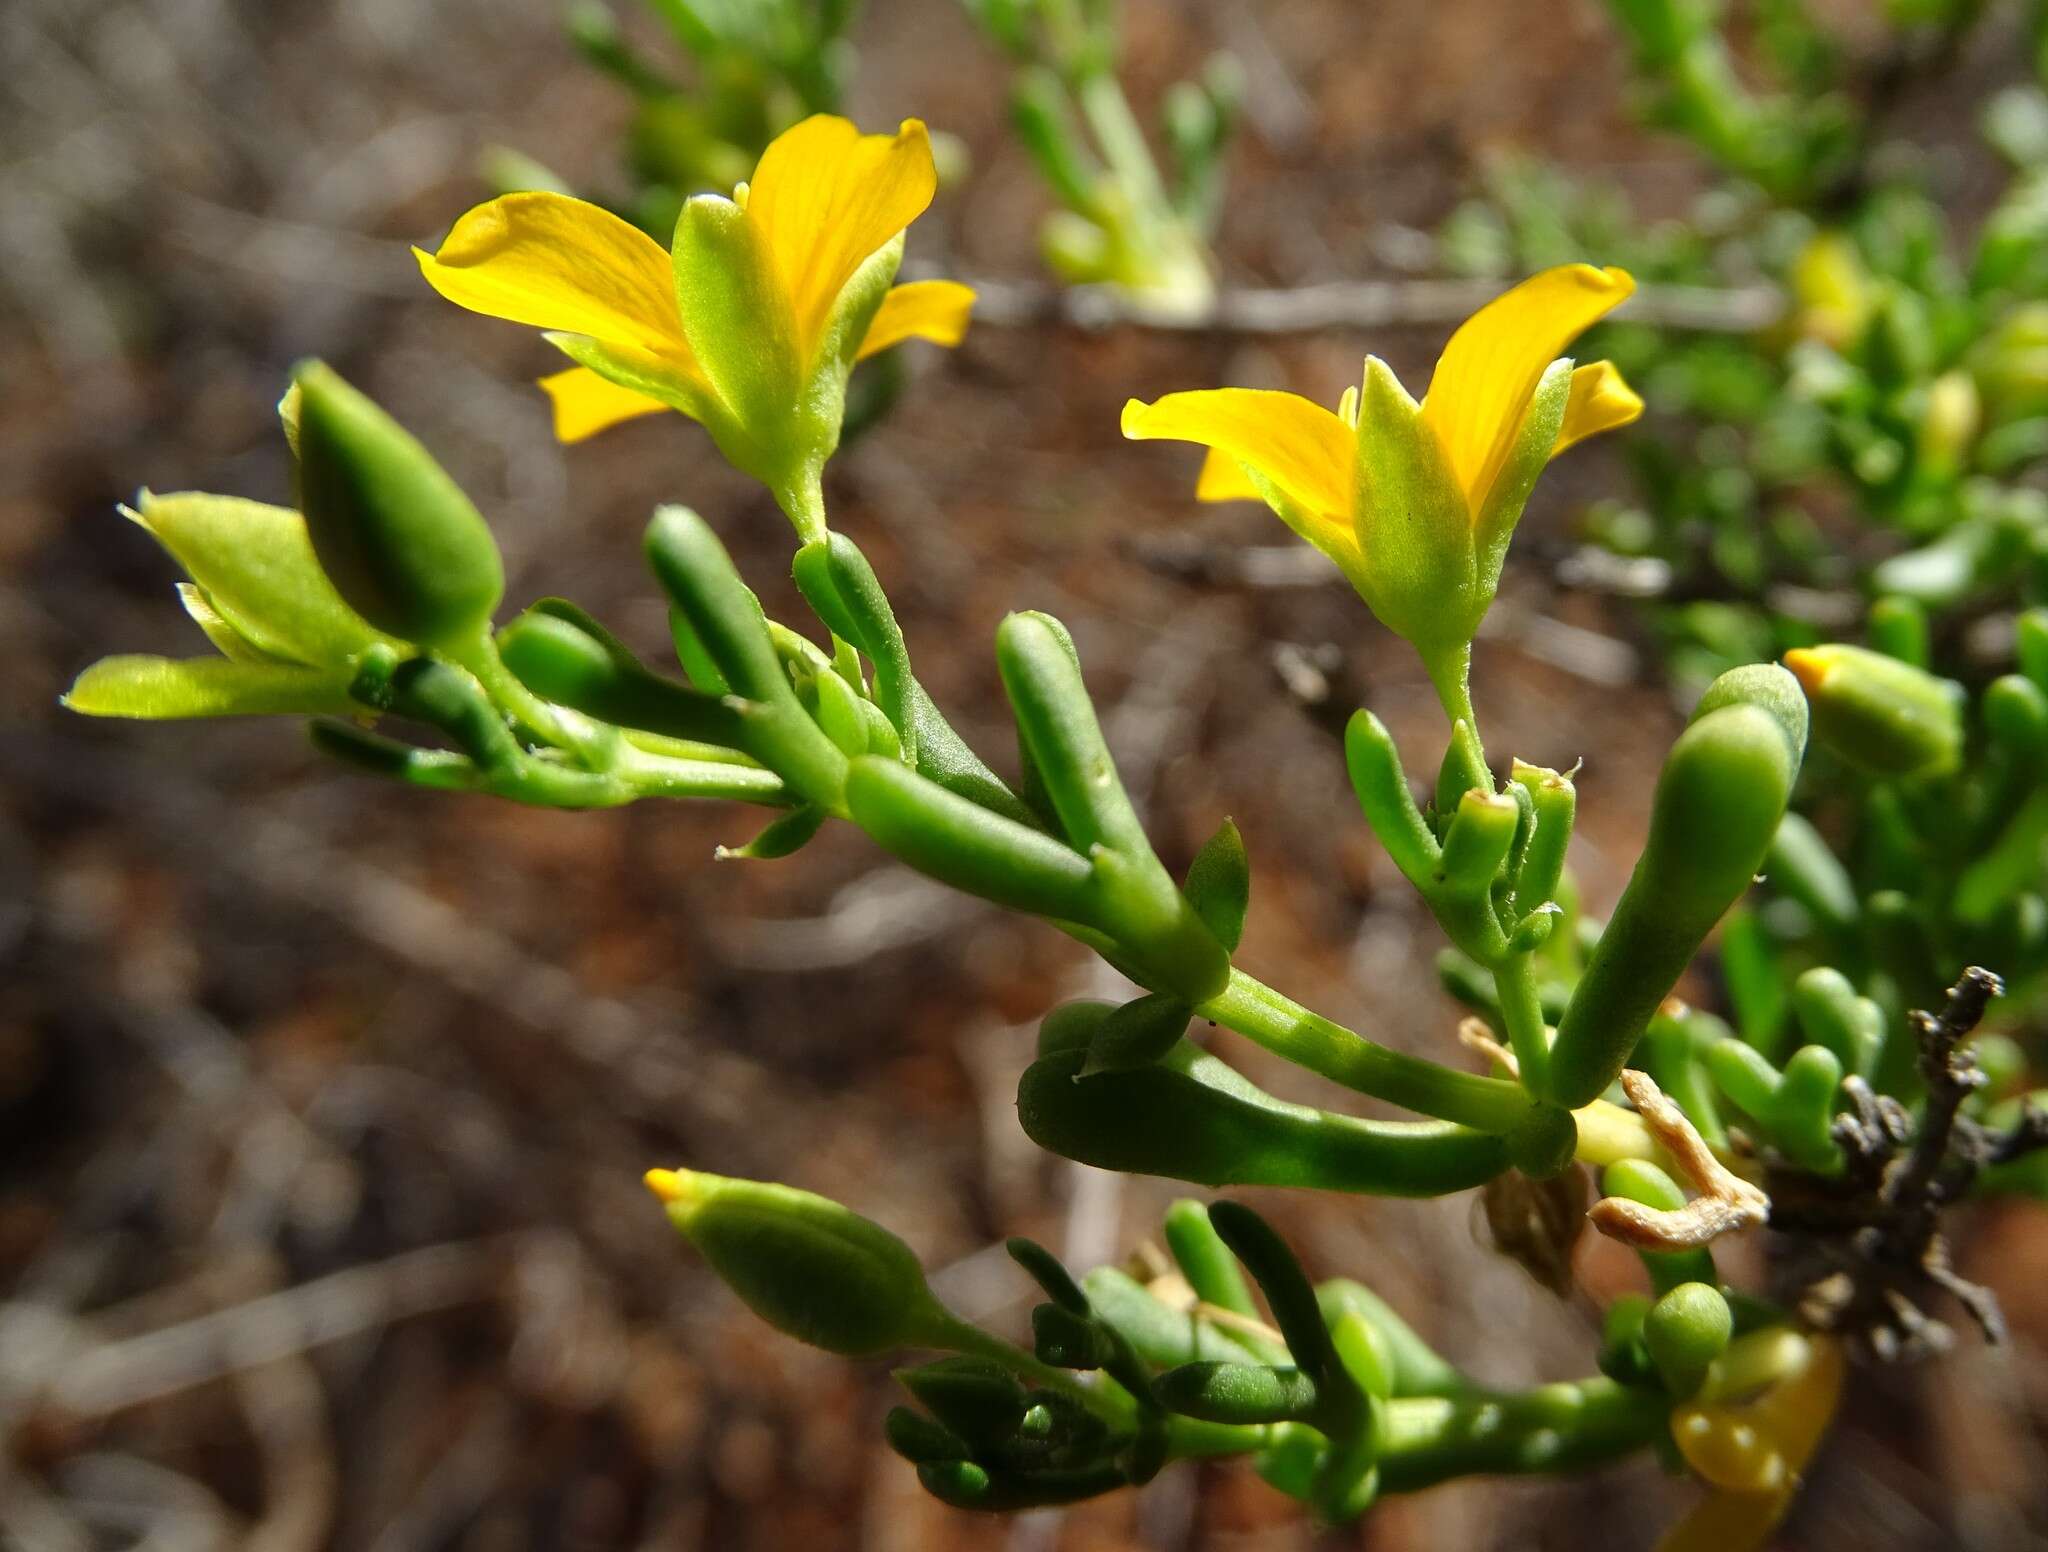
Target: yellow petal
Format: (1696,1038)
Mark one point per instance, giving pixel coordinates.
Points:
(586,404)
(1223,479)
(560,263)
(1728,1522)
(1302,449)
(1488,372)
(934,310)
(1601,400)
(825,197)
(1788,1423)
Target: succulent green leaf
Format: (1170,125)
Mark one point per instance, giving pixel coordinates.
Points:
(1219,884)
(166,689)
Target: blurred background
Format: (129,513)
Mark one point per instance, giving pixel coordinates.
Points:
(323,1104)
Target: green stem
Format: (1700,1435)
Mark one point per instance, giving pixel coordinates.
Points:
(803,503)
(1122,142)
(1450,673)
(1189,1438)
(1309,1040)
(547,722)
(1430,1439)
(662,776)
(1514,980)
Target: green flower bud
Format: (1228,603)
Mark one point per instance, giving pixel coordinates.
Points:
(976,1399)
(1238,1393)
(1879,714)
(965,1485)
(1067,1340)
(808,1266)
(398,537)
(921,1440)
(1718,804)
(1685,1330)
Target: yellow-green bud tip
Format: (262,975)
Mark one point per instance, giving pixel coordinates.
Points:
(669,1186)
(1809,667)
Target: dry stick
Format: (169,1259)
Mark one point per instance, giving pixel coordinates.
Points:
(279,1326)
(148,1505)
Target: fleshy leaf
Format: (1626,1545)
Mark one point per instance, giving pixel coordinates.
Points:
(166,688)
(1219,884)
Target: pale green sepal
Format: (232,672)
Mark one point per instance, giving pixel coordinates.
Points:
(1526,460)
(220,631)
(288,417)
(853,312)
(737,318)
(1344,557)
(256,566)
(642,373)
(1420,572)
(166,688)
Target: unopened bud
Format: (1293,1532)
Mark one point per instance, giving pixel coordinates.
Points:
(1877,713)
(811,1268)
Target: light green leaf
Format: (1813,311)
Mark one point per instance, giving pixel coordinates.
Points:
(256,566)
(165,688)
(232,643)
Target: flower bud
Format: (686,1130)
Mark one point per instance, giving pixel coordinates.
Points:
(808,1266)
(1949,420)
(1831,291)
(1241,1393)
(1881,715)
(400,540)
(1685,1330)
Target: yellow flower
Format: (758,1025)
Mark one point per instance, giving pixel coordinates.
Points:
(1752,1453)
(1415,503)
(750,325)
